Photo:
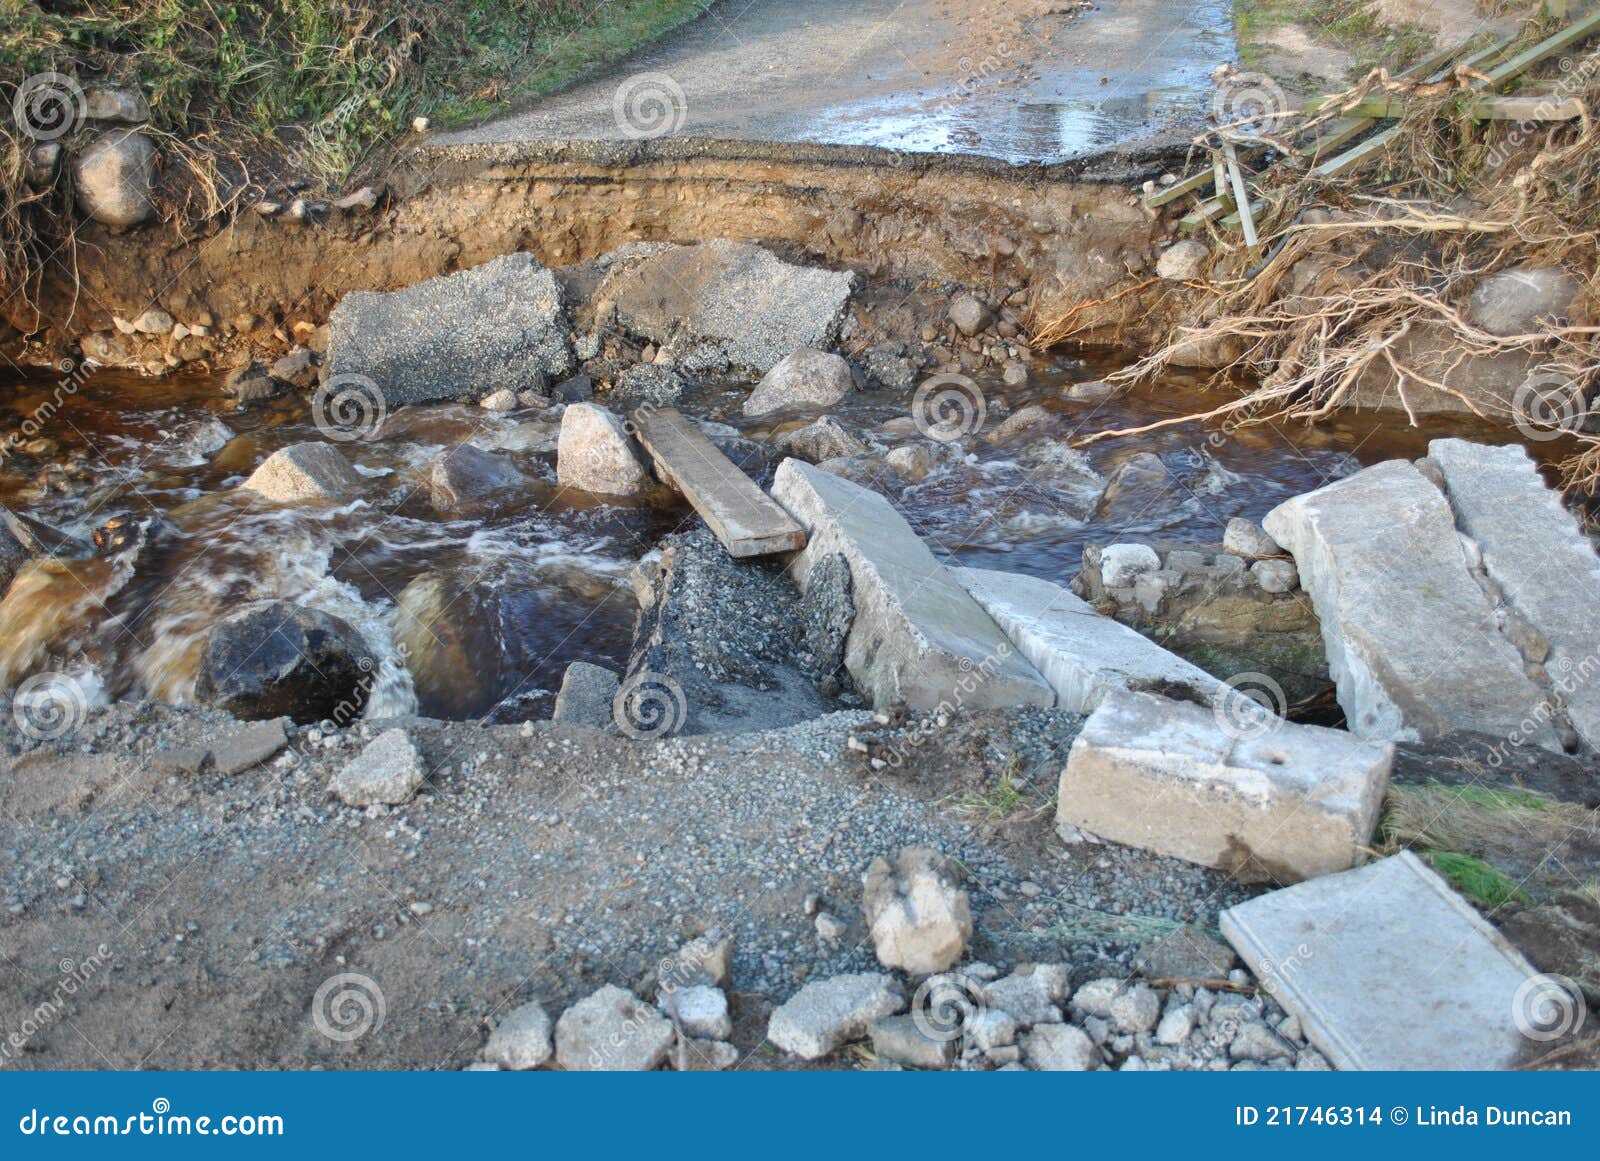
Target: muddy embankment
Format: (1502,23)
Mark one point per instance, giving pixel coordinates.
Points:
(1039,238)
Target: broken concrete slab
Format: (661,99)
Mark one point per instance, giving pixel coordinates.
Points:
(734,301)
(828,1013)
(744,518)
(1388,968)
(304,471)
(1267,801)
(498,326)
(585,697)
(388,771)
(1412,642)
(1082,654)
(917,637)
(250,745)
(1534,550)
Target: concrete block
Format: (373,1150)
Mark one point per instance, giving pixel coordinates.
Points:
(1412,642)
(1388,968)
(1082,654)
(1535,551)
(1271,803)
(917,636)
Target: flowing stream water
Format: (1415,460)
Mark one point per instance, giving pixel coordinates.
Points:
(546,573)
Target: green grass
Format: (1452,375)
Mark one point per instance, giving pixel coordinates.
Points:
(262,69)
(1476,879)
(999,801)
(1351,25)
(1490,799)
(313,89)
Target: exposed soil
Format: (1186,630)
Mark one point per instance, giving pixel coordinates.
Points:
(1057,235)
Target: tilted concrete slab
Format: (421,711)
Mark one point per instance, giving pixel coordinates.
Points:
(1082,654)
(1388,968)
(1535,551)
(1241,790)
(742,516)
(917,636)
(1412,641)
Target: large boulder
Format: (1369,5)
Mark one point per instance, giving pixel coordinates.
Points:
(737,301)
(821,439)
(918,914)
(1471,383)
(304,471)
(470,639)
(114,177)
(595,453)
(275,659)
(465,478)
(12,556)
(1518,301)
(804,378)
(498,326)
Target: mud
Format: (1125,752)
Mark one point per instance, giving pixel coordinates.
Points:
(1052,235)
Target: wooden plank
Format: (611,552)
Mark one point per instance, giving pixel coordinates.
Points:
(1241,196)
(743,517)
(1531,108)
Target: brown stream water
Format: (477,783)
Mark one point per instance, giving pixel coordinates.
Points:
(117,446)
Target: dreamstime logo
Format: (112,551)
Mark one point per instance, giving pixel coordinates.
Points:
(649,105)
(944,1007)
(948,406)
(348,1006)
(49,705)
(650,705)
(1547,406)
(1576,77)
(1548,1007)
(349,407)
(75,977)
(1253,707)
(1249,104)
(48,106)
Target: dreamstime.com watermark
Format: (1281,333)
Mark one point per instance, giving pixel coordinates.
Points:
(48,106)
(1567,678)
(160,1121)
(945,1007)
(1547,1008)
(1547,405)
(947,407)
(349,407)
(347,1007)
(1576,77)
(49,705)
(649,705)
(75,976)
(649,105)
(74,374)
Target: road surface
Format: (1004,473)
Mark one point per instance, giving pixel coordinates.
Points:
(1018,80)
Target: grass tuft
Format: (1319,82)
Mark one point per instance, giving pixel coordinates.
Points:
(1476,879)
(242,93)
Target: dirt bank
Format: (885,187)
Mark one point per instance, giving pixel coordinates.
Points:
(1059,234)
